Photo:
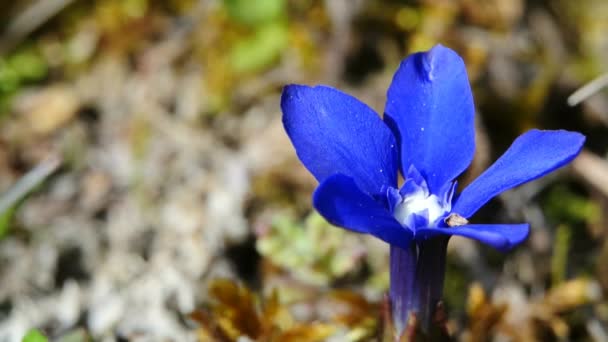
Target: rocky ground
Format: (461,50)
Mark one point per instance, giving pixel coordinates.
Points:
(151,135)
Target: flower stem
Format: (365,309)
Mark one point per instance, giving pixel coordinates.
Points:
(430,275)
(402,278)
(416,284)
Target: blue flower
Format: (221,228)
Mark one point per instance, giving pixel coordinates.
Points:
(427,134)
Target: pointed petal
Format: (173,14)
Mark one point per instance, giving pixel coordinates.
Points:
(343,204)
(447,192)
(333,132)
(392,199)
(430,109)
(532,155)
(503,237)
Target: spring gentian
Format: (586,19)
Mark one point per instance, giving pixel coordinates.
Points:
(427,134)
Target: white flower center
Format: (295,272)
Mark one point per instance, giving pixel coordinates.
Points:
(422,204)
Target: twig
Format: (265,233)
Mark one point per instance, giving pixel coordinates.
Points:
(595,329)
(588,89)
(593,169)
(28,182)
(29,20)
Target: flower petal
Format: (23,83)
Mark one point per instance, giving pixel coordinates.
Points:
(532,155)
(503,237)
(343,204)
(334,132)
(431,111)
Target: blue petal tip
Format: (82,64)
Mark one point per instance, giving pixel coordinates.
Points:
(436,57)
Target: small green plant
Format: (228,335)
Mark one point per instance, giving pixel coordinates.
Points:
(312,251)
(34,335)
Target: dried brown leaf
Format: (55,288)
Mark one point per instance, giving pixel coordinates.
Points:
(306,333)
(235,310)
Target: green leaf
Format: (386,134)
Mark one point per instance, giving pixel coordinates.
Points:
(9,78)
(565,206)
(255,12)
(28,65)
(5,220)
(34,336)
(260,50)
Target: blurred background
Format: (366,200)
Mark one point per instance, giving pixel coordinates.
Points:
(149,192)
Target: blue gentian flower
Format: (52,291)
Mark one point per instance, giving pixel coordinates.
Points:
(427,135)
